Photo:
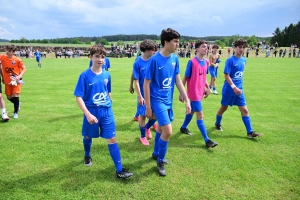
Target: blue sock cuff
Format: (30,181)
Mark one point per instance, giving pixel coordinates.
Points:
(245,117)
(113,146)
(200,121)
(163,144)
(150,123)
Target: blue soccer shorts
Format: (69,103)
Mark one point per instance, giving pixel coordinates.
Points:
(213,71)
(37,59)
(141,110)
(196,106)
(105,128)
(163,113)
(237,100)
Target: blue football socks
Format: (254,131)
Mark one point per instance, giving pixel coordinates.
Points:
(87,143)
(218,119)
(201,126)
(163,147)
(150,123)
(247,122)
(187,120)
(156,145)
(143,132)
(116,156)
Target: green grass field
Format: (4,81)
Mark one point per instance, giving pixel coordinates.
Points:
(42,152)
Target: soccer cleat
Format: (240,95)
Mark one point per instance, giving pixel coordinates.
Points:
(148,133)
(144,141)
(215,92)
(136,119)
(87,161)
(124,174)
(5,118)
(211,144)
(254,134)
(211,91)
(165,161)
(185,131)
(16,116)
(161,169)
(218,127)
(154,127)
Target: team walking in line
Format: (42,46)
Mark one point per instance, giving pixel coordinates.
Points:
(154,77)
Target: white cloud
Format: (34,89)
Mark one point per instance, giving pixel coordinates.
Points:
(3,19)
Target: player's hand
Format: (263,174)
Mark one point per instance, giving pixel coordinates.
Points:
(149,113)
(141,101)
(131,89)
(237,91)
(206,93)
(188,107)
(181,98)
(17,78)
(91,119)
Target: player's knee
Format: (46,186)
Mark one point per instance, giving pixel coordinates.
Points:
(200,115)
(112,140)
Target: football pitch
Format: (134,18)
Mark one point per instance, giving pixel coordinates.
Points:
(42,152)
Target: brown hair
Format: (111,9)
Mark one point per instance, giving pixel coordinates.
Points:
(11,47)
(240,42)
(147,45)
(98,50)
(199,43)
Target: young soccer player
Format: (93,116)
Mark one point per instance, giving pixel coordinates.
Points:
(37,55)
(232,93)
(197,88)
(161,76)
(12,71)
(5,118)
(213,68)
(148,48)
(93,96)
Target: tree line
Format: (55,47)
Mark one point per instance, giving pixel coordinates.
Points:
(287,36)
(107,39)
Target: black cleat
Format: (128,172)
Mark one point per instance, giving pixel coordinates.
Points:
(254,134)
(165,161)
(218,127)
(211,144)
(124,174)
(87,161)
(185,131)
(161,168)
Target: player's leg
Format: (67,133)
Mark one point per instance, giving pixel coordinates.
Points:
(3,108)
(143,138)
(151,122)
(108,131)
(187,120)
(197,106)
(247,122)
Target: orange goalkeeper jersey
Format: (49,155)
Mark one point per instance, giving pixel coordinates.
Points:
(10,67)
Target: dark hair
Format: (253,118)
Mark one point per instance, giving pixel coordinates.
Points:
(240,42)
(199,43)
(147,45)
(11,47)
(168,35)
(215,46)
(98,50)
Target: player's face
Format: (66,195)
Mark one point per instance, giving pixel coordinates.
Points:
(172,45)
(239,50)
(202,49)
(214,50)
(9,53)
(98,60)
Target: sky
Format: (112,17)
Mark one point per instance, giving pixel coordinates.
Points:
(50,19)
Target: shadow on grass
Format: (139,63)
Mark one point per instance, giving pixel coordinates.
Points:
(65,117)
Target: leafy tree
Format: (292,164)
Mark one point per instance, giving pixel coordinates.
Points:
(102,41)
(220,43)
(76,41)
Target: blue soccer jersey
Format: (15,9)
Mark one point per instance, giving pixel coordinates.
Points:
(139,69)
(162,72)
(94,88)
(105,65)
(235,68)
(37,54)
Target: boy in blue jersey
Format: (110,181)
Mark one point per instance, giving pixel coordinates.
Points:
(232,92)
(139,67)
(37,56)
(197,88)
(161,76)
(93,96)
